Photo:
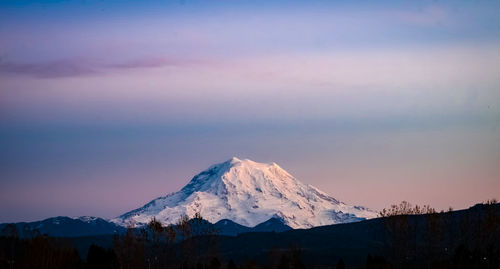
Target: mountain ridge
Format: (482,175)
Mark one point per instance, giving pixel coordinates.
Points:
(62,226)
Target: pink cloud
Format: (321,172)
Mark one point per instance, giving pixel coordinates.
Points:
(79,67)
(53,69)
(153,62)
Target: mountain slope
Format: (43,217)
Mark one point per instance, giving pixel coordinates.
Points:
(248,193)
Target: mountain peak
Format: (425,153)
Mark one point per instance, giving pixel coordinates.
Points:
(235,160)
(246,161)
(248,193)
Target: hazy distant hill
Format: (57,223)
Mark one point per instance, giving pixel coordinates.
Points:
(92,226)
(67,227)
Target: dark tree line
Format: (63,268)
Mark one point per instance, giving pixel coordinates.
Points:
(415,237)
(39,251)
(470,239)
(154,246)
(183,245)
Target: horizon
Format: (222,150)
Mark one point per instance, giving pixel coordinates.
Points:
(105,106)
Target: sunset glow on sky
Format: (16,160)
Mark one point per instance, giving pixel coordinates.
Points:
(105,105)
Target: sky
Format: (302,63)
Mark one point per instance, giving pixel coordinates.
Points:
(106,105)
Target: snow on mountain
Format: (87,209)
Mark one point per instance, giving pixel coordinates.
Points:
(248,193)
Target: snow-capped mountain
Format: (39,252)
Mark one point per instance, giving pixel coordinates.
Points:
(248,193)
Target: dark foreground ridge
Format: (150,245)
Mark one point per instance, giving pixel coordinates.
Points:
(458,239)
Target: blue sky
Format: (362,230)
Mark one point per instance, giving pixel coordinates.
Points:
(105,105)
